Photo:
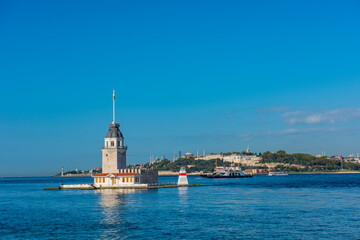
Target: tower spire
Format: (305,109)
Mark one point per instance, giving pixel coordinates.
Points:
(113,106)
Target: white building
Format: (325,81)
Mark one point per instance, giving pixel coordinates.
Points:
(249,160)
(126,177)
(189,155)
(210,157)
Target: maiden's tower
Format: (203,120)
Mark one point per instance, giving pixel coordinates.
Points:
(114,171)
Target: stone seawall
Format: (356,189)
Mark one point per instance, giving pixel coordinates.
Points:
(77,186)
(171,173)
(139,186)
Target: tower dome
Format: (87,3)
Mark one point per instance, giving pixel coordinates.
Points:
(114,131)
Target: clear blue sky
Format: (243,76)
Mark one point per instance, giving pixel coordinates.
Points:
(189,75)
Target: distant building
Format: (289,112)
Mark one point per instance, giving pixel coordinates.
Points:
(189,155)
(248,171)
(349,158)
(321,154)
(95,170)
(210,157)
(256,171)
(249,160)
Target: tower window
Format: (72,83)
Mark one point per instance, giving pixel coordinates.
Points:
(118,143)
(112,143)
(107,144)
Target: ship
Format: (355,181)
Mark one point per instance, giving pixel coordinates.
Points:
(278,174)
(226,172)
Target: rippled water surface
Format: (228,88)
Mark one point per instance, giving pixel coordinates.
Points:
(263,207)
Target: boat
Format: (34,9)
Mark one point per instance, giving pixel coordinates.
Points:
(226,172)
(278,174)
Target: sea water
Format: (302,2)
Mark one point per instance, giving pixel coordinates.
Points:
(262,207)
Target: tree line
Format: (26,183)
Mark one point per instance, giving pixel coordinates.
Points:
(310,163)
(296,162)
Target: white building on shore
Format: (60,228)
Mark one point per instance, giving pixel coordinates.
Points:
(249,160)
(210,157)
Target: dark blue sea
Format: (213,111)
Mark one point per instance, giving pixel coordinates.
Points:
(262,207)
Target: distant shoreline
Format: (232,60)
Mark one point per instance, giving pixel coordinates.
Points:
(169,173)
(337,172)
(197,174)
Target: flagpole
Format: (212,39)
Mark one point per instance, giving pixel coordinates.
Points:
(113,105)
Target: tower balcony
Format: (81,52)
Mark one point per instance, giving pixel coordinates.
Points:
(123,147)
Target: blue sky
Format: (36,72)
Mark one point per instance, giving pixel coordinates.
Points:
(189,75)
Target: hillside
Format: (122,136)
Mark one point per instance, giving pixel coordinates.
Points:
(191,165)
(309,162)
(296,162)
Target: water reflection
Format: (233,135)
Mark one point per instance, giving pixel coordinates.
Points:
(114,219)
(183,190)
(111,198)
(183,195)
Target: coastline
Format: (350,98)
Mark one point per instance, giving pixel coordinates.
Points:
(160,173)
(324,172)
(170,173)
(75,175)
(127,187)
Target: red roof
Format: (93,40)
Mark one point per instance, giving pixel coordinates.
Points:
(115,174)
(124,174)
(100,174)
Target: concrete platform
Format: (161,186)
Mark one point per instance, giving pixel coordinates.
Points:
(92,187)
